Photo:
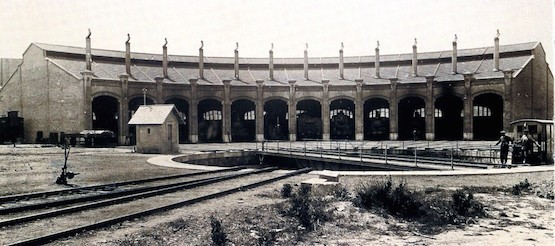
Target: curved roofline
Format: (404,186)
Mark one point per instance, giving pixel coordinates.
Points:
(441,54)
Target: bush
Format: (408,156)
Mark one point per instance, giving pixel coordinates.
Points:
(520,187)
(465,205)
(308,210)
(219,237)
(400,201)
(430,210)
(286,190)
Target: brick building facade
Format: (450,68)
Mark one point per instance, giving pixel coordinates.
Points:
(453,95)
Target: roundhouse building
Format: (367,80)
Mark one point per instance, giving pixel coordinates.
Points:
(467,94)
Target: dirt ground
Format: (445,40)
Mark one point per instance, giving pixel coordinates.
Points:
(512,220)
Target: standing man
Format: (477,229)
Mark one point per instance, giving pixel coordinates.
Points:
(528,146)
(504,148)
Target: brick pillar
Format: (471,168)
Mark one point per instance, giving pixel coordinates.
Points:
(393,111)
(226,112)
(507,99)
(88,55)
(87,97)
(430,108)
(124,108)
(259,110)
(359,111)
(292,111)
(128,55)
(193,112)
(325,110)
(159,89)
(468,107)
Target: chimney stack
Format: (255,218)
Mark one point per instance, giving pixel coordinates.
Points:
(165,58)
(201,60)
(377,62)
(88,56)
(414,59)
(341,67)
(454,56)
(128,55)
(496,52)
(236,60)
(271,64)
(306,62)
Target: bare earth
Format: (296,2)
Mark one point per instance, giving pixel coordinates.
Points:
(512,220)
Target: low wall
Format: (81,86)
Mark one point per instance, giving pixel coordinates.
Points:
(222,159)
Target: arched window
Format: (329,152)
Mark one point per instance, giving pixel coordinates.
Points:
(481,111)
(249,115)
(338,111)
(438,113)
(379,113)
(418,113)
(212,115)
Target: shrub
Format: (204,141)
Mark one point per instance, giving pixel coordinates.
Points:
(266,238)
(433,211)
(464,204)
(520,187)
(308,210)
(219,237)
(286,190)
(341,193)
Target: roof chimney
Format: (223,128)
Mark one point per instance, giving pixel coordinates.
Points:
(201,61)
(165,58)
(454,56)
(341,72)
(306,62)
(236,60)
(88,56)
(414,59)
(128,55)
(377,62)
(271,64)
(496,52)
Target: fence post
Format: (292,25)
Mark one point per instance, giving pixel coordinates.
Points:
(360,151)
(385,153)
(278,146)
(452,167)
(304,150)
(415,161)
(490,155)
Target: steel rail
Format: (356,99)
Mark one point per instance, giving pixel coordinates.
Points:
(51,237)
(93,187)
(118,200)
(94,197)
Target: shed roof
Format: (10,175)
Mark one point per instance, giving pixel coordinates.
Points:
(154,114)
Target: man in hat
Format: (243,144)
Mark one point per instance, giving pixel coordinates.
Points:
(528,145)
(504,148)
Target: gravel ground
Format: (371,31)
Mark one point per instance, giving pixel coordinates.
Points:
(515,220)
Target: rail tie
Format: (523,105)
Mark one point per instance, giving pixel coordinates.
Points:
(70,232)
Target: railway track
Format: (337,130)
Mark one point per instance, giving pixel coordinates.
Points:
(130,205)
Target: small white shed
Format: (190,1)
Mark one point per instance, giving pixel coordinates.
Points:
(157,128)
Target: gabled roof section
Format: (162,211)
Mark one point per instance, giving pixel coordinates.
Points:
(154,114)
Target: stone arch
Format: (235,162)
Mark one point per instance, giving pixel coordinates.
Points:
(276,119)
(376,118)
(309,118)
(243,120)
(210,120)
(487,116)
(411,117)
(448,117)
(342,118)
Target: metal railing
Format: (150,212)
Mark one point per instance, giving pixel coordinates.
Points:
(466,153)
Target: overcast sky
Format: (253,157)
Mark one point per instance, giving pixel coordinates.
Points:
(289,24)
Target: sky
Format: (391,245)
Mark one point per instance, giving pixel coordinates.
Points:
(288,24)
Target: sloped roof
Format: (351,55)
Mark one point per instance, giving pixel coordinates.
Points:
(108,65)
(154,114)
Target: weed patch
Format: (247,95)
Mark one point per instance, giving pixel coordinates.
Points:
(432,212)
